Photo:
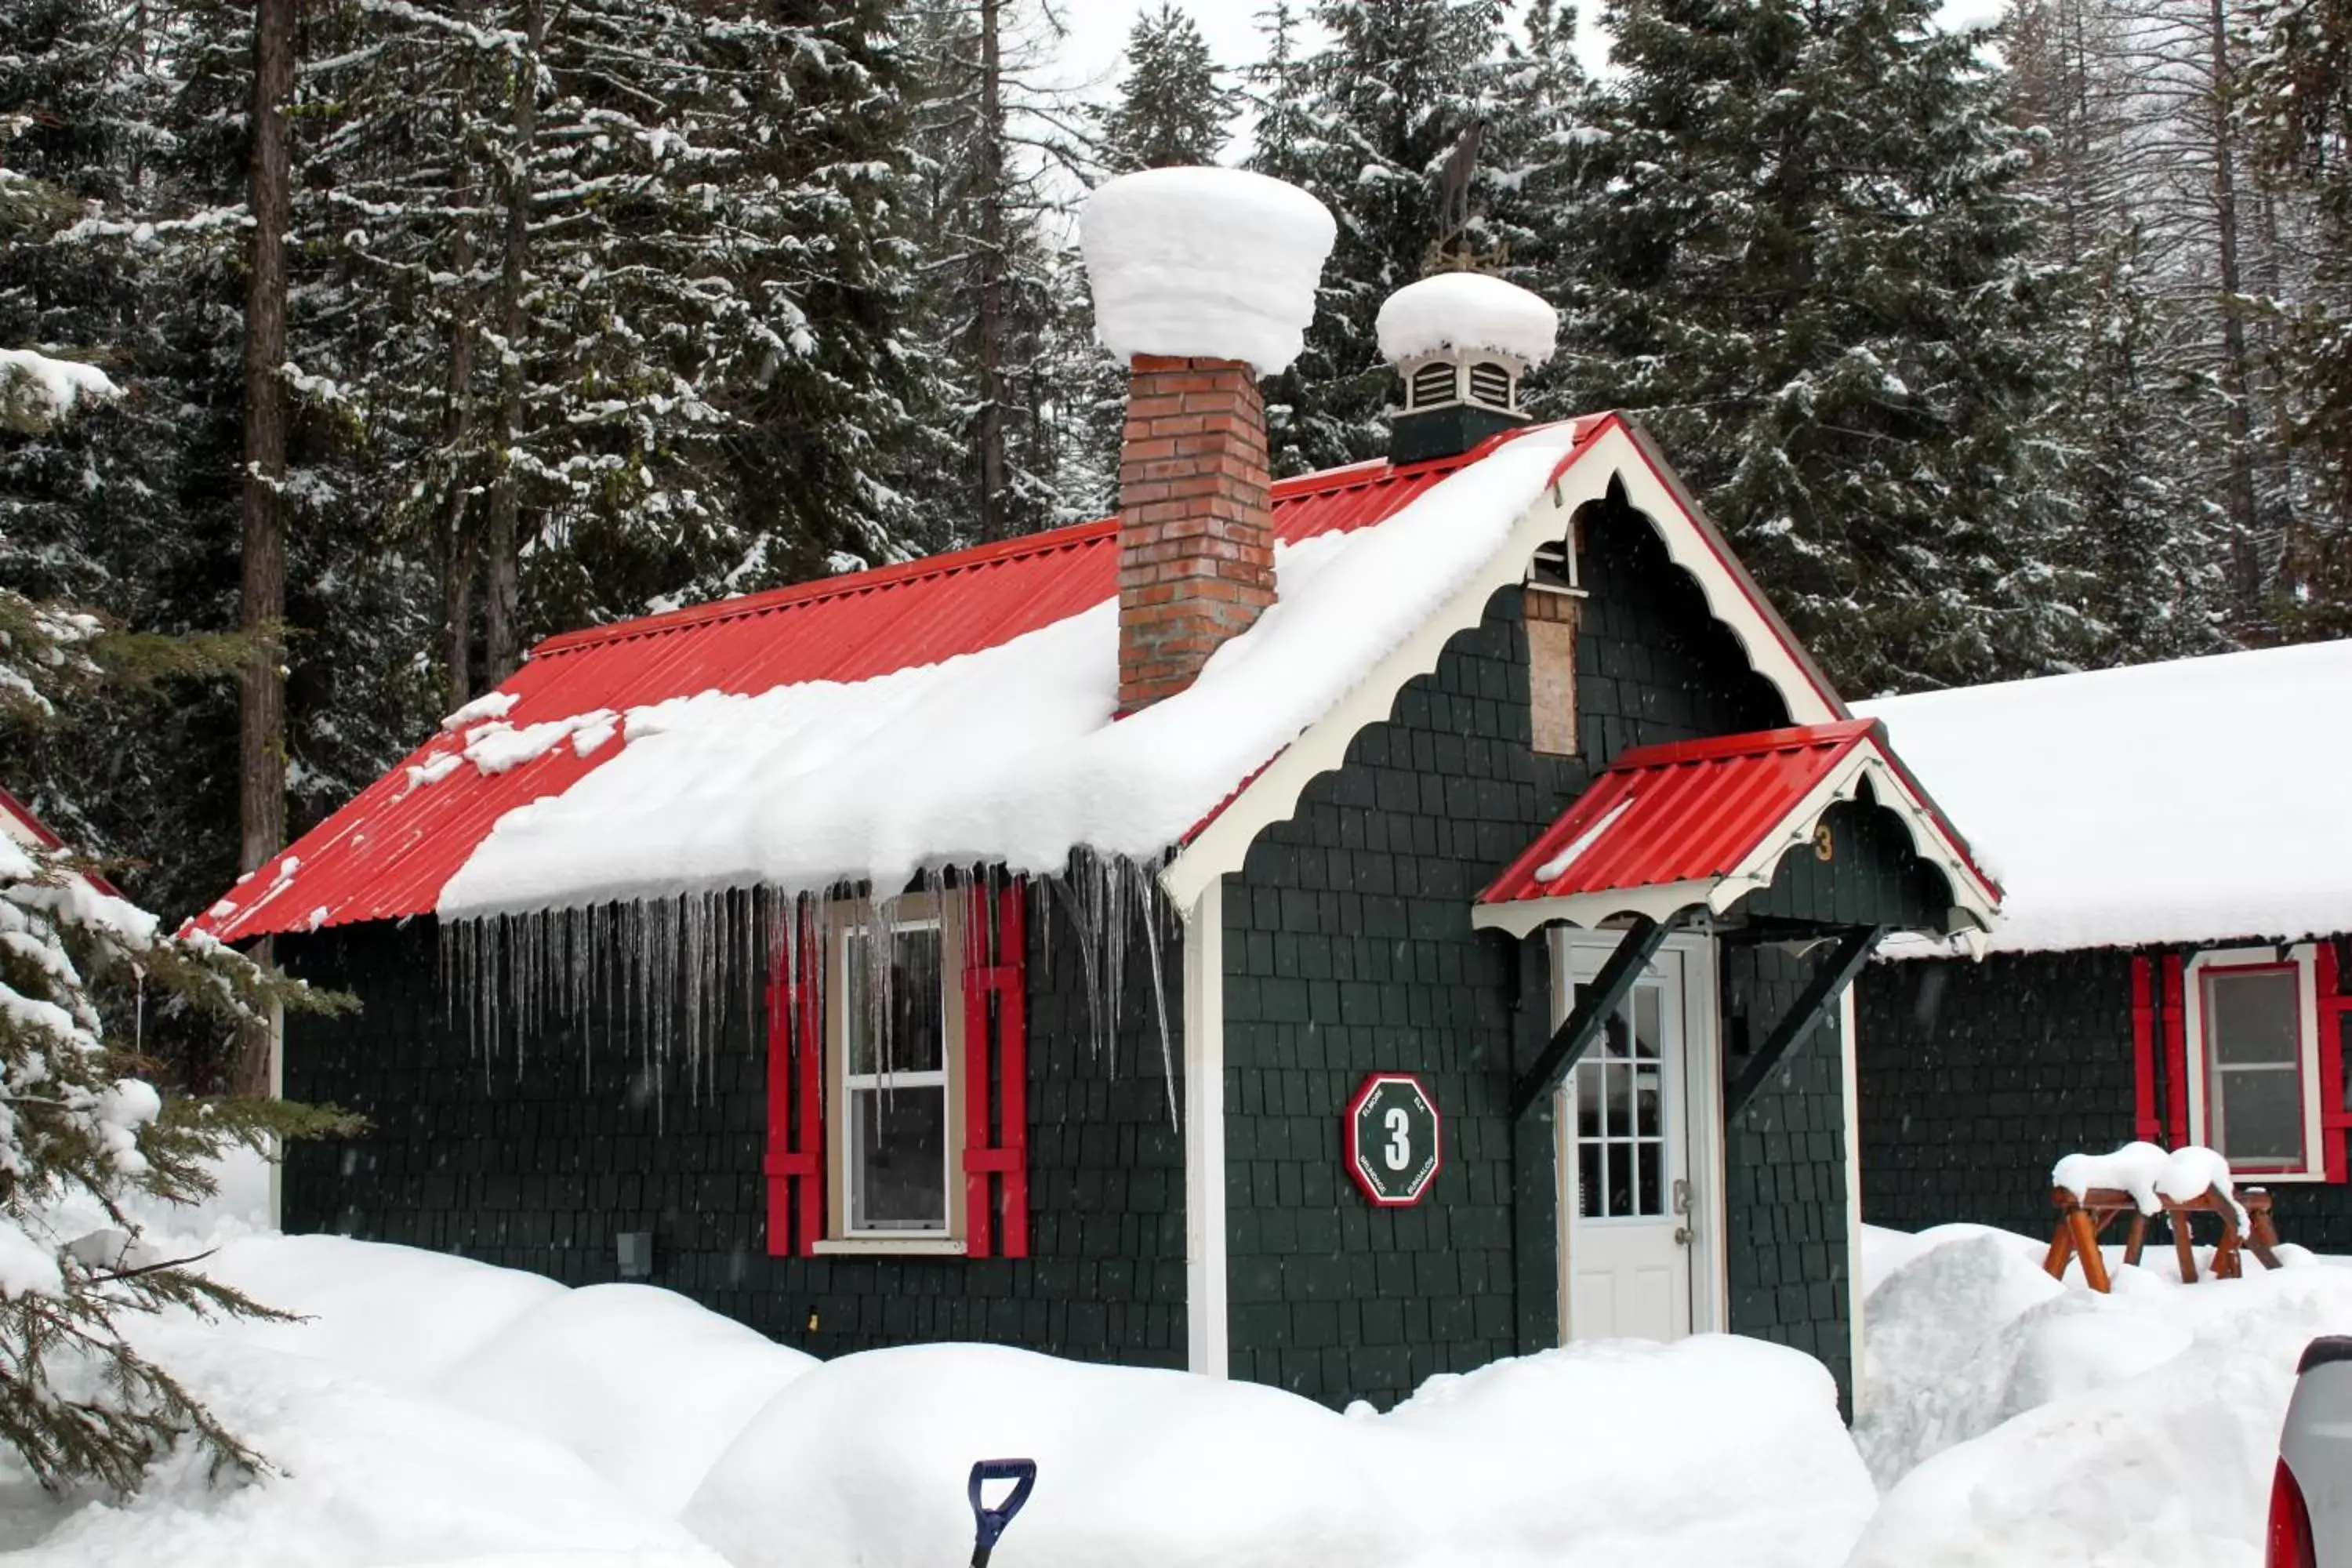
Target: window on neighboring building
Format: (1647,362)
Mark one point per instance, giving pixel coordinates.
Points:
(895,1025)
(2256,1026)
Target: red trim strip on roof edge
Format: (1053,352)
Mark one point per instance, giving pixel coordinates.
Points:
(42,833)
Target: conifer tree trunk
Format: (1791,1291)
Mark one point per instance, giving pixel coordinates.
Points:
(501,638)
(992,522)
(456,543)
(2237,381)
(261,692)
(261,697)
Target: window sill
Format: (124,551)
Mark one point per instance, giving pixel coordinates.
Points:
(889,1246)
(2243,1180)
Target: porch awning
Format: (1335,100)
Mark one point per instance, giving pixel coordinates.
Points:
(1703,824)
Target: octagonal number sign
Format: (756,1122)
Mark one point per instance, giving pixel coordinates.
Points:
(1394,1139)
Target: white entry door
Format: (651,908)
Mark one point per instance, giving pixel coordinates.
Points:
(1635,1147)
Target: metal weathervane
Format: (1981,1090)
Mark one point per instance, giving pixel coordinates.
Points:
(1454,251)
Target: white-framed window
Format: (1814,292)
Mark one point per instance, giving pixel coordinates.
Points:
(2254,1089)
(894,1034)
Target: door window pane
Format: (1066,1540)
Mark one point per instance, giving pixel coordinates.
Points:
(1621,1113)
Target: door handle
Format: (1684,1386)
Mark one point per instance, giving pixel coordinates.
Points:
(1682,1205)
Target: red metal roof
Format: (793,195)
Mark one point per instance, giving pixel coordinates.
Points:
(1702,811)
(388,853)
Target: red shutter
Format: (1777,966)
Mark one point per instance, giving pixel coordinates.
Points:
(2335,1011)
(995,942)
(2145,1125)
(794,1164)
(2175,1045)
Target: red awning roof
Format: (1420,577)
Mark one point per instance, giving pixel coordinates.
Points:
(388,853)
(1705,822)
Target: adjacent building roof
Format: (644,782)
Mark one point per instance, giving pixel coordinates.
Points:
(1705,822)
(2195,801)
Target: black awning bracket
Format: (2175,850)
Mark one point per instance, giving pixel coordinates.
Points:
(1593,1008)
(1820,993)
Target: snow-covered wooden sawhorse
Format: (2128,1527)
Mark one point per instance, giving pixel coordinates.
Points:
(2082,1220)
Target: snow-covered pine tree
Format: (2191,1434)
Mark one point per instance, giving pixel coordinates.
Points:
(1525,194)
(1809,264)
(1385,100)
(2298,105)
(1173,106)
(991,160)
(2134,429)
(81,1404)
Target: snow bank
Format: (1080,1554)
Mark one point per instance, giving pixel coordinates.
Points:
(2239,835)
(804,786)
(2016,1420)
(1210,263)
(1715,1451)
(1467,310)
(647,1387)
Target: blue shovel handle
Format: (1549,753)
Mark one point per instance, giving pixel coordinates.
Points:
(988,1523)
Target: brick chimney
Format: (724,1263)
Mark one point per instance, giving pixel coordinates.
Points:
(1196,525)
(1203,281)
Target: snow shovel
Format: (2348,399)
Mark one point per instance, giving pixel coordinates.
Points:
(988,1523)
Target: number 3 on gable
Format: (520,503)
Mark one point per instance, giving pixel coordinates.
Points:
(1394,1139)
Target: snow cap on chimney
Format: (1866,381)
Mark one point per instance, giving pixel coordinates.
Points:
(1461,341)
(1205,263)
(1203,281)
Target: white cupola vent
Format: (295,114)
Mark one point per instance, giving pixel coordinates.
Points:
(1461,341)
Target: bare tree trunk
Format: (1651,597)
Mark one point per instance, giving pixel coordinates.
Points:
(261,690)
(993,521)
(2238,496)
(502,649)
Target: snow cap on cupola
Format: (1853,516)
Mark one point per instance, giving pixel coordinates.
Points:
(1205,263)
(1461,341)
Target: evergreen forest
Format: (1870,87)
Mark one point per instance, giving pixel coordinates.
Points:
(444,325)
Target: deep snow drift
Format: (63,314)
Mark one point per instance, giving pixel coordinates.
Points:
(2018,1421)
(437,1411)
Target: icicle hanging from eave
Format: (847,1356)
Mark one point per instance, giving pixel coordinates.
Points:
(654,973)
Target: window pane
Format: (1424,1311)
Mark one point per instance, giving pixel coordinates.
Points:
(2252,1015)
(898,1159)
(2261,1116)
(913,1011)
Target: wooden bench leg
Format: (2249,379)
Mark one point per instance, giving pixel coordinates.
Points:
(2086,1246)
(2182,1247)
(2053,1262)
(2264,1240)
(2135,1239)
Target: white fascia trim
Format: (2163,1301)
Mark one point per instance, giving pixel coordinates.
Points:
(1611,455)
(1928,839)
(1205,1337)
(1849,1087)
(1660,901)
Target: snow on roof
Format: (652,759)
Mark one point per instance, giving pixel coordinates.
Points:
(1011,754)
(1205,263)
(1466,310)
(2192,801)
(909,637)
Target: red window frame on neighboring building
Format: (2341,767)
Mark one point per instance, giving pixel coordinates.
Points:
(2173,1062)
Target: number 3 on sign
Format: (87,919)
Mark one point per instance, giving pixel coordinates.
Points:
(1395,1140)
